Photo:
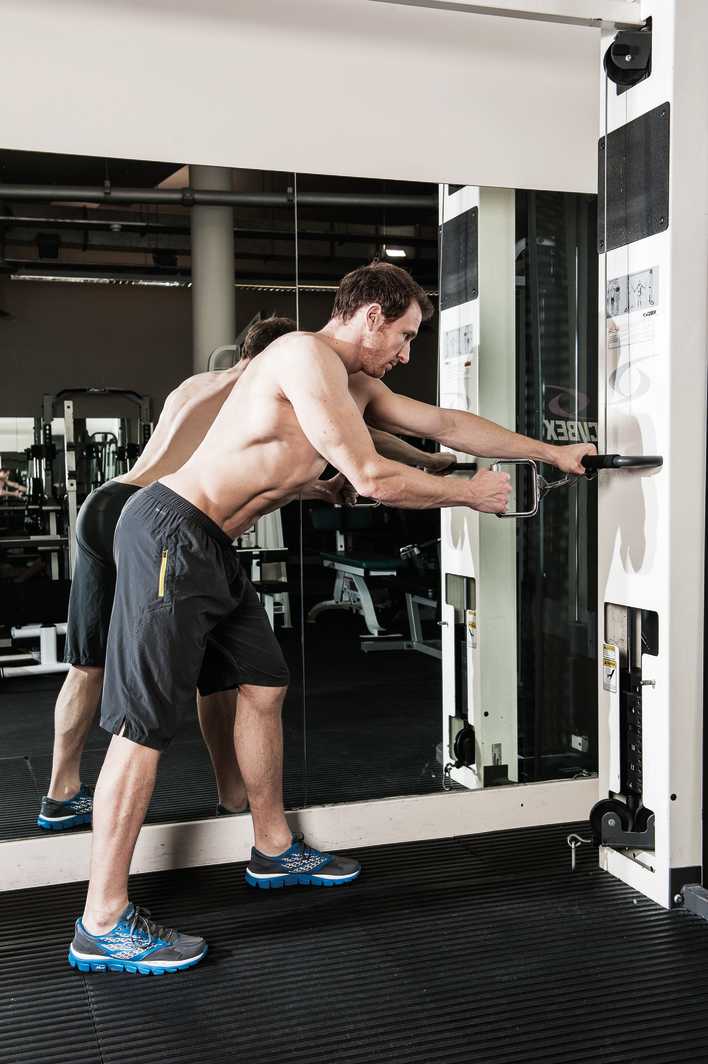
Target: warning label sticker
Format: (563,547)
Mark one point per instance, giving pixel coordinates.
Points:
(610,663)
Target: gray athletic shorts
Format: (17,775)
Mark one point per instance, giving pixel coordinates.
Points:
(185,616)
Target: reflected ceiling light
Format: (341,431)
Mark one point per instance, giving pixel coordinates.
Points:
(166,282)
(78,279)
(394,253)
(156,282)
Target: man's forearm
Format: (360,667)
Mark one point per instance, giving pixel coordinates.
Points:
(477,436)
(397,450)
(405,488)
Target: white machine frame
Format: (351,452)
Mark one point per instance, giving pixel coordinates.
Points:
(469,548)
(651,525)
(651,539)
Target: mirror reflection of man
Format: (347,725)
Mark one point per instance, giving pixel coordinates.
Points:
(186,615)
(186,416)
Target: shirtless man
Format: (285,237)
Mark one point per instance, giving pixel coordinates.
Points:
(184,608)
(187,414)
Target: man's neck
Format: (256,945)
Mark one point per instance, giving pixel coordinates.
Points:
(232,374)
(343,340)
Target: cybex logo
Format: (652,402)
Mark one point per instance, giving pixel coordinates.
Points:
(565,402)
(570,431)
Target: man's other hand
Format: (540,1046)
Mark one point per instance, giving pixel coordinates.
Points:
(568,459)
(490,492)
(338,491)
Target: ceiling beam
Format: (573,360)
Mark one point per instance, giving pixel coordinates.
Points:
(597,13)
(119,223)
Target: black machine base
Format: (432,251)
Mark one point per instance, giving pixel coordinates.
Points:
(613,834)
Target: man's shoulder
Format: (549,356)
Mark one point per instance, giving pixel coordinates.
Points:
(301,350)
(303,342)
(362,384)
(197,388)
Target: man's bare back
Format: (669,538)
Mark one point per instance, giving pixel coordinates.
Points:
(185,420)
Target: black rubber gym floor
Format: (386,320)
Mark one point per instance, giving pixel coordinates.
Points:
(483,949)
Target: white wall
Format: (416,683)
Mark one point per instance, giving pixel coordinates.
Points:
(322,86)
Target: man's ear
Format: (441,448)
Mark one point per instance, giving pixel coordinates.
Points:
(374,315)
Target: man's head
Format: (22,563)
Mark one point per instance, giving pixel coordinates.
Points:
(262,333)
(382,307)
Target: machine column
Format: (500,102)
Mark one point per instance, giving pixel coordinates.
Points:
(653,233)
(478,554)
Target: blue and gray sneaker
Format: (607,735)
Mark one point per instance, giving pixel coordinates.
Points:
(58,816)
(135,944)
(300,865)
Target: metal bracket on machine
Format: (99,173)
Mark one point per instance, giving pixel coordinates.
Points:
(694,898)
(614,835)
(628,59)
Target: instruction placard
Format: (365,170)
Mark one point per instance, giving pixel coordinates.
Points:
(610,665)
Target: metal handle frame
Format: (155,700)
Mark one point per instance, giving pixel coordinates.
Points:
(538,483)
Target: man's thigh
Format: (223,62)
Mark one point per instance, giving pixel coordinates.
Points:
(169,595)
(243,649)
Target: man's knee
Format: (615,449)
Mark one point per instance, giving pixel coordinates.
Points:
(263,698)
(126,747)
(87,673)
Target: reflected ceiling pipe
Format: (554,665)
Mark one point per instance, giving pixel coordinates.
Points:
(190,197)
(128,225)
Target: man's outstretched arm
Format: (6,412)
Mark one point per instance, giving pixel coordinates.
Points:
(338,490)
(463,431)
(316,384)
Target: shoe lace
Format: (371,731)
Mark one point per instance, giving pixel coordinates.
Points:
(140,922)
(304,851)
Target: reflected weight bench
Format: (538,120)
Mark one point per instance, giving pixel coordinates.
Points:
(34,607)
(352,592)
(45,660)
(358,573)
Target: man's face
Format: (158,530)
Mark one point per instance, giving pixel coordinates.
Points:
(386,343)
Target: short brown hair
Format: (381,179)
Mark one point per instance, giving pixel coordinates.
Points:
(263,333)
(380,282)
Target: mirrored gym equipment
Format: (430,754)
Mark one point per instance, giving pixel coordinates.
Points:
(83,438)
(517,345)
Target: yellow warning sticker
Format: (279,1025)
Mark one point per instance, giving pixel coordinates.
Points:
(610,665)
